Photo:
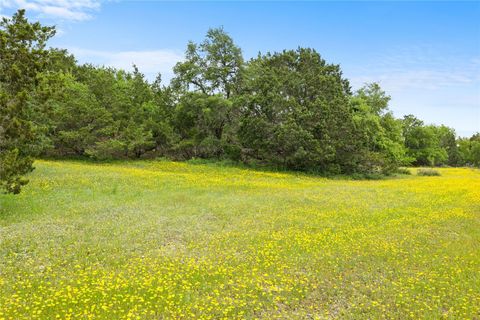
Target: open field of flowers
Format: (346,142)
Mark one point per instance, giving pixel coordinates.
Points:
(157,240)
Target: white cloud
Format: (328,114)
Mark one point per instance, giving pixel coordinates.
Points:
(150,62)
(397,81)
(418,67)
(438,84)
(75,10)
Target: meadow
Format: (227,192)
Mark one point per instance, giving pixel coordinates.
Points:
(160,240)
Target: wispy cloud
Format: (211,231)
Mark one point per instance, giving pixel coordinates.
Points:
(150,62)
(427,79)
(437,84)
(419,67)
(73,10)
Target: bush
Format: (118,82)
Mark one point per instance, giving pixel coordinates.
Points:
(367,176)
(428,172)
(403,171)
(108,150)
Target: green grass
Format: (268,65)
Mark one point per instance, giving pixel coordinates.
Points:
(155,240)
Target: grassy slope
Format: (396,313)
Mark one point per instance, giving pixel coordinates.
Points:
(163,239)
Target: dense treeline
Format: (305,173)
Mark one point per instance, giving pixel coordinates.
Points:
(289,109)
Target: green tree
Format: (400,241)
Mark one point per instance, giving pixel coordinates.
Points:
(22,57)
(423,142)
(295,112)
(130,101)
(163,112)
(200,121)
(380,145)
(49,83)
(376,99)
(211,67)
(78,121)
(448,142)
(469,150)
(475,149)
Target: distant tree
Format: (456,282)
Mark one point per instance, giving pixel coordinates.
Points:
(469,150)
(22,57)
(448,142)
(380,145)
(475,149)
(423,142)
(211,67)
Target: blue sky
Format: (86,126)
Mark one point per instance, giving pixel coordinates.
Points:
(426,55)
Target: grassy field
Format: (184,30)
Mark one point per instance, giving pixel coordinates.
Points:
(155,240)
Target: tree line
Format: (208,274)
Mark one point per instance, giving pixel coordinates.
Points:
(288,109)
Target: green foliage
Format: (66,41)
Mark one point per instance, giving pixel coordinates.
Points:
(428,172)
(294,111)
(403,171)
(378,133)
(285,110)
(108,150)
(469,150)
(78,120)
(214,66)
(13,167)
(103,113)
(200,122)
(424,143)
(447,141)
(22,58)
